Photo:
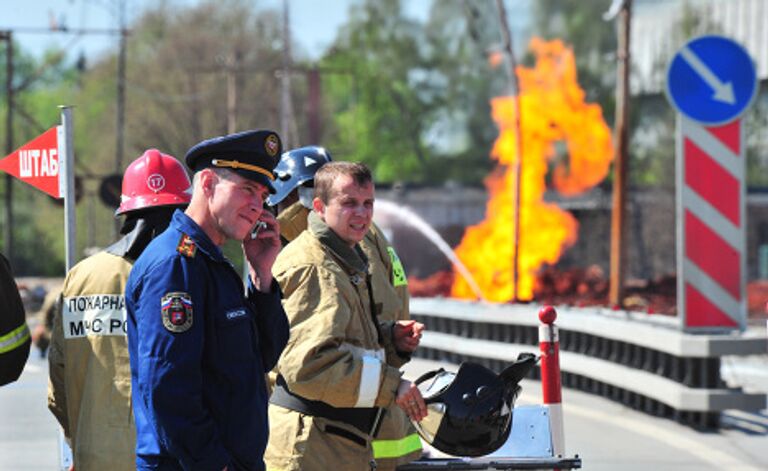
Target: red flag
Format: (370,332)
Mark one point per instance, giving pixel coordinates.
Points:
(37,163)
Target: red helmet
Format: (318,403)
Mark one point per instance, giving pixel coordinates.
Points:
(154,179)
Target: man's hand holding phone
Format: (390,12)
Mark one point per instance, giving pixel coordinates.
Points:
(261,247)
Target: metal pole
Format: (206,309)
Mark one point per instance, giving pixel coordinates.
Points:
(515,90)
(618,242)
(7,36)
(67,167)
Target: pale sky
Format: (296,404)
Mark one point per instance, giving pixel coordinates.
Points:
(313,22)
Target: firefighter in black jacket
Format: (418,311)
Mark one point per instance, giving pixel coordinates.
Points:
(14,333)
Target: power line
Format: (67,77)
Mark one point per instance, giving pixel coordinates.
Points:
(64,30)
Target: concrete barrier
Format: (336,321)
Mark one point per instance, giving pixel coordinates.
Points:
(643,361)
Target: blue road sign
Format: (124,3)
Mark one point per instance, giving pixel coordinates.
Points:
(711,80)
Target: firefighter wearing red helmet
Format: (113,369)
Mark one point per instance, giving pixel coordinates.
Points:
(90,380)
(154,179)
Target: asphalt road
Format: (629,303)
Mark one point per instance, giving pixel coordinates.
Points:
(28,432)
(606,435)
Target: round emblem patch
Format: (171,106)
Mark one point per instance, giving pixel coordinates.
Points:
(271,145)
(156,182)
(176,309)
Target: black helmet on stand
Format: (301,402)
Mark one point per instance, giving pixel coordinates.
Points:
(470,411)
(296,167)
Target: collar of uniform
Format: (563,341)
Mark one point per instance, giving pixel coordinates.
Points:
(293,220)
(353,257)
(186,225)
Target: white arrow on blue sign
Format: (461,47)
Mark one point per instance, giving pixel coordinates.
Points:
(711,80)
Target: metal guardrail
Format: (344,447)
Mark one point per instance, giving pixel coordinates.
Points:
(643,361)
(508,464)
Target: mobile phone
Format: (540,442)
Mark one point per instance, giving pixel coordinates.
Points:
(260,225)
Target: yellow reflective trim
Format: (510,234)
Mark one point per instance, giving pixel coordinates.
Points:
(396,448)
(398,272)
(14,339)
(236,164)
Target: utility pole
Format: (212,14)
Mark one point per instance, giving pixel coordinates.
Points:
(515,90)
(288,130)
(232,68)
(7,36)
(622,8)
(120,124)
(314,101)
(119,147)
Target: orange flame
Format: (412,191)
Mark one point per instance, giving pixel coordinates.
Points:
(552,110)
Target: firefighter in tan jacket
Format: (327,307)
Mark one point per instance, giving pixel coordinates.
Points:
(89,390)
(339,371)
(397,441)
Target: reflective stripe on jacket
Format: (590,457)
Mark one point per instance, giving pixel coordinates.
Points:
(14,339)
(397,441)
(14,333)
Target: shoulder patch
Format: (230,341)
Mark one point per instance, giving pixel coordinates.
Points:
(176,310)
(187,246)
(398,272)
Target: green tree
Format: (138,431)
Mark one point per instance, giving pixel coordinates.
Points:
(39,86)
(379,120)
(414,101)
(178,61)
(461,36)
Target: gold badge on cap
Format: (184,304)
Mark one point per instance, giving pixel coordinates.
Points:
(271,145)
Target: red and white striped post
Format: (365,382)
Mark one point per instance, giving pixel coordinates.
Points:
(711,236)
(549,344)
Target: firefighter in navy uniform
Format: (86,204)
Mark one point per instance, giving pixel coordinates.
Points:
(14,333)
(397,441)
(89,390)
(199,344)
